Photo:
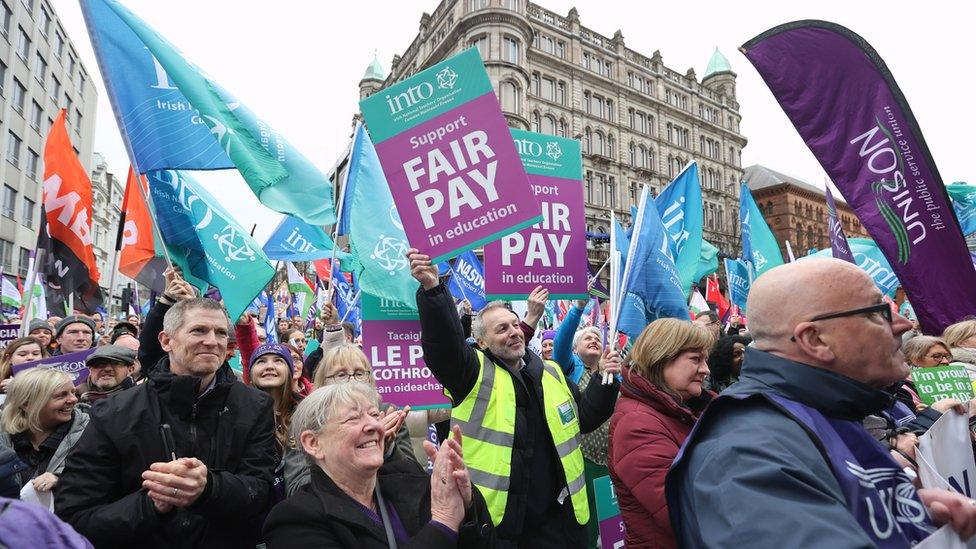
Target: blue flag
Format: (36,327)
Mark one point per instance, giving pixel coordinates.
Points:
(295,240)
(740,280)
(164,130)
(650,287)
(868,256)
(215,248)
(346,302)
(759,246)
(964,204)
(680,206)
(270,318)
(468,281)
(707,260)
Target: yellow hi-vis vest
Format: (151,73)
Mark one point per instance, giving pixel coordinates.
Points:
(487,420)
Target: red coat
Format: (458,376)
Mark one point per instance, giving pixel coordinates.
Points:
(646,430)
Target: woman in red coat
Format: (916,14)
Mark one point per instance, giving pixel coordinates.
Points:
(660,399)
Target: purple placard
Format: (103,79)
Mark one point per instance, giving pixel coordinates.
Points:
(612,533)
(393,349)
(463,189)
(8,333)
(72,363)
(551,254)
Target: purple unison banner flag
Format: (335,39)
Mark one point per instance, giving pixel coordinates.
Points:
(8,333)
(844,102)
(449,159)
(391,341)
(551,254)
(839,247)
(71,363)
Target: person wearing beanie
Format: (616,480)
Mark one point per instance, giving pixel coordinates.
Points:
(270,370)
(548,337)
(123,328)
(74,333)
(42,331)
(109,367)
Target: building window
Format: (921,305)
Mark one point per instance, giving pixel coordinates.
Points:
(13,148)
(536,122)
(632,154)
(477,4)
(27,213)
(81,83)
(510,50)
(55,88)
(35,116)
(45,24)
(3,75)
(20,96)
(562,127)
(548,89)
(589,185)
(510,4)
(549,125)
(6,253)
(67,103)
(587,141)
(32,161)
(598,142)
(561,93)
(40,68)
(24,262)
(78,120)
(610,146)
(9,199)
(23,44)
(5,16)
(29,4)
(612,193)
(508,96)
(481,43)
(58,45)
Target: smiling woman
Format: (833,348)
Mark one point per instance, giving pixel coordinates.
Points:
(41,424)
(355,500)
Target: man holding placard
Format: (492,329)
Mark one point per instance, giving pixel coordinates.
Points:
(521,419)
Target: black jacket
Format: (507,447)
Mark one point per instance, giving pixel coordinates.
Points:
(230,428)
(321,515)
(536,477)
(150,351)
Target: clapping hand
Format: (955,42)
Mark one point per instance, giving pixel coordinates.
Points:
(450,483)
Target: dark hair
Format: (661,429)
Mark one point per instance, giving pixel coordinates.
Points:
(712,316)
(286,335)
(720,359)
(350,330)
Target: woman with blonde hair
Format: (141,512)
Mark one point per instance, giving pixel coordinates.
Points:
(41,424)
(961,339)
(17,352)
(661,398)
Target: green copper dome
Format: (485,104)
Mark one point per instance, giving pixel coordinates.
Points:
(718,63)
(375,71)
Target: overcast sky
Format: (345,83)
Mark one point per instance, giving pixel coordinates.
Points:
(297,64)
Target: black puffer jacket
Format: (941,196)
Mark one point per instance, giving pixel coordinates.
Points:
(230,428)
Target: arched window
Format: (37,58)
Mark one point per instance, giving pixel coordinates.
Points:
(651,163)
(587,141)
(598,143)
(549,125)
(508,96)
(562,127)
(769,207)
(670,166)
(535,122)
(642,156)
(632,154)
(610,146)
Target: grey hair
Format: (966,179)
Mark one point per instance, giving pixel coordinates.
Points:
(175,316)
(917,347)
(319,408)
(583,331)
(478,323)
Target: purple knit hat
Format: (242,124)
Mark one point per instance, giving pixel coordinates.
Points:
(548,334)
(272,349)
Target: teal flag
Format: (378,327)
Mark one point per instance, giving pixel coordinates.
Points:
(707,260)
(210,244)
(277,173)
(681,209)
(377,241)
(759,247)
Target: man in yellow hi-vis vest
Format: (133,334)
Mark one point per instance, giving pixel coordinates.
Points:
(520,418)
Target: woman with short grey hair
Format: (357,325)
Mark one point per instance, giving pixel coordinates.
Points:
(356,500)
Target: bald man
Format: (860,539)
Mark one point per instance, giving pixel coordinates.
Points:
(781,459)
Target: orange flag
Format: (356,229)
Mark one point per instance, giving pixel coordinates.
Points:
(67,207)
(138,259)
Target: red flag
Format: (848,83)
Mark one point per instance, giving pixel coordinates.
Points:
(714,295)
(138,259)
(66,223)
(323,268)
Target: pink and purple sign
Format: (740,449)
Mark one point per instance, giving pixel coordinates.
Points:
(8,333)
(391,341)
(552,253)
(449,158)
(612,530)
(72,364)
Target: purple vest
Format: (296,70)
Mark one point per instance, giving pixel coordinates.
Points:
(878,493)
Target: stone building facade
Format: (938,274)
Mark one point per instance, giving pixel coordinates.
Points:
(107,194)
(40,73)
(797,211)
(640,122)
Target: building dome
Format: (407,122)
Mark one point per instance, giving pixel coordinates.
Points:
(375,71)
(718,63)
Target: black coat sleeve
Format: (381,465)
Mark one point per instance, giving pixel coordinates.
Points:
(596,403)
(450,359)
(229,496)
(89,495)
(150,351)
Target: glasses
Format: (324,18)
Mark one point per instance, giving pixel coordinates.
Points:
(884,308)
(939,357)
(342,377)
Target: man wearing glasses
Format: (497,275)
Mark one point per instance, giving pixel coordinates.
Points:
(781,458)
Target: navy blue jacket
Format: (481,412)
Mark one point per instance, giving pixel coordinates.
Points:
(753,477)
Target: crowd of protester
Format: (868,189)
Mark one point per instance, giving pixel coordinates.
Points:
(714,432)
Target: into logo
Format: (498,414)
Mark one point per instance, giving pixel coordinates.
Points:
(553,150)
(446,78)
